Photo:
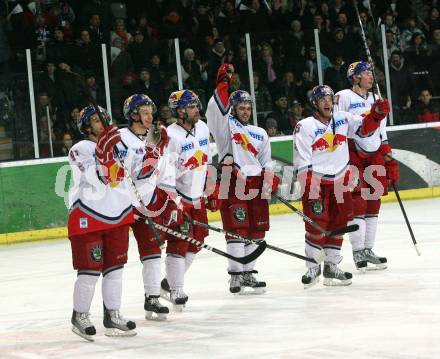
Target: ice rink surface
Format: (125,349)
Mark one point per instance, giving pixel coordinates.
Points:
(385,314)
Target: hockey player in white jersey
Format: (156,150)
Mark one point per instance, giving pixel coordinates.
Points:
(321,160)
(99,218)
(244,151)
(364,152)
(155,182)
(189,145)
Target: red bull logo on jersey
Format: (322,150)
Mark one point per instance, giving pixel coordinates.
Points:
(115,175)
(329,142)
(243,140)
(196,161)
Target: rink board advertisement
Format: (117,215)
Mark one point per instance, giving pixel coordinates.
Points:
(33,194)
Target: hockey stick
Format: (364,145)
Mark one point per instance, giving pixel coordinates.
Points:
(120,158)
(336,232)
(318,259)
(367,49)
(243,260)
(406,219)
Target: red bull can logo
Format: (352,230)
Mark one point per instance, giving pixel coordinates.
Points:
(196,161)
(243,140)
(329,142)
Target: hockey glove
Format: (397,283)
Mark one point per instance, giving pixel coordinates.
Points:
(377,113)
(270,184)
(213,203)
(154,149)
(106,141)
(224,73)
(392,168)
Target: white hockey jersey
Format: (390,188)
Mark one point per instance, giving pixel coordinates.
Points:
(349,101)
(95,205)
(323,149)
(160,175)
(248,147)
(190,149)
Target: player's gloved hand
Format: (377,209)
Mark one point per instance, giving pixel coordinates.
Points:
(380,109)
(270,184)
(392,168)
(213,202)
(157,140)
(224,73)
(173,214)
(106,141)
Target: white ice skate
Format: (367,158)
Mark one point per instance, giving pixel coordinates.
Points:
(116,326)
(374,262)
(334,276)
(250,284)
(82,326)
(154,310)
(311,277)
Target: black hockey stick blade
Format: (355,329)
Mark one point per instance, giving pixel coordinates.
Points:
(348,229)
(254,255)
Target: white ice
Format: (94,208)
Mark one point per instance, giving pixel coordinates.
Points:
(385,314)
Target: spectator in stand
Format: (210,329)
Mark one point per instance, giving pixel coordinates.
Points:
(295,41)
(145,86)
(95,30)
(390,25)
(58,49)
(87,55)
(228,19)
(433,22)
(72,123)
(236,83)
(271,127)
(69,87)
(64,144)
(263,99)
(400,77)
(295,113)
(193,72)
(166,116)
(94,89)
(340,45)
(410,29)
(241,64)
(172,26)
(157,71)
(312,64)
(140,50)
(203,20)
(391,47)
(267,65)
(336,75)
(216,58)
(47,82)
(287,85)
(281,113)
(426,110)
(120,32)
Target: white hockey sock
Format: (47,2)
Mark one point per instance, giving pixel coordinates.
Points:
(248,249)
(333,255)
(357,238)
(188,260)
(112,289)
(151,275)
(235,249)
(83,292)
(175,266)
(370,231)
(312,250)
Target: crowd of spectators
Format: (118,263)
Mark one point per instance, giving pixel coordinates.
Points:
(66,37)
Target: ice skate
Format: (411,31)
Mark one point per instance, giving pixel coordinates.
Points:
(165,293)
(360,261)
(235,282)
(154,310)
(116,325)
(334,276)
(82,326)
(250,282)
(377,263)
(178,298)
(311,277)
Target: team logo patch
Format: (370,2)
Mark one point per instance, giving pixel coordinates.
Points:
(96,253)
(83,223)
(240,214)
(317,207)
